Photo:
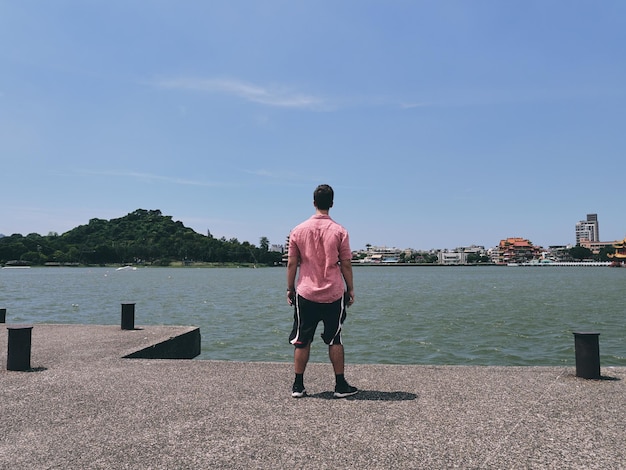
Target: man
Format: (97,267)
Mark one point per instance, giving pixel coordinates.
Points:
(325,288)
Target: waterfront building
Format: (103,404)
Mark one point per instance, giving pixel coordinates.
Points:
(382,254)
(452,257)
(473,249)
(595,247)
(459,255)
(515,250)
(559,253)
(588,229)
(285,256)
(620,251)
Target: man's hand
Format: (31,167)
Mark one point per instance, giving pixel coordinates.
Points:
(349,297)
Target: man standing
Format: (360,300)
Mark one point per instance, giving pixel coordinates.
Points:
(324,290)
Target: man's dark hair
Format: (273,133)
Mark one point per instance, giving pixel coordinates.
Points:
(323,197)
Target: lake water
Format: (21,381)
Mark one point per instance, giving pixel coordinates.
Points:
(402,315)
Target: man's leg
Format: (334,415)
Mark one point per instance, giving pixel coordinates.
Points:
(342,388)
(335,352)
(301,358)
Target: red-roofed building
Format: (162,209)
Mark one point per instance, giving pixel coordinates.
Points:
(516,250)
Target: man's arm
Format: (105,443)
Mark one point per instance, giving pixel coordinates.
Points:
(292,269)
(346,271)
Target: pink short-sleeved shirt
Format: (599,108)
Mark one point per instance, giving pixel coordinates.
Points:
(320,243)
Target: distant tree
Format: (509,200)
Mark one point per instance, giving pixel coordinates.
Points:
(580,253)
(264,244)
(12,248)
(476,258)
(73,255)
(431,258)
(604,252)
(33,257)
(273,258)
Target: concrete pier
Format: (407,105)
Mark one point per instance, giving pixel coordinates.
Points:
(84,406)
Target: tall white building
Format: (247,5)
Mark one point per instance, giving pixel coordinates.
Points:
(588,229)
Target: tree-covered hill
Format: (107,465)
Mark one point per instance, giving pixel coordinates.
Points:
(143,236)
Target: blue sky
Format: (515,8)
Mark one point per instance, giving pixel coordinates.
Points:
(438,123)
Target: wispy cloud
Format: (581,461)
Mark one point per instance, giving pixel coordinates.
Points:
(412,105)
(279,175)
(276,96)
(149,177)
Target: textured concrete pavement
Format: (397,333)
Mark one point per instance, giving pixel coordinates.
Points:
(83,406)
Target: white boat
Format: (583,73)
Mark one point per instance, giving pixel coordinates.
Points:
(127,268)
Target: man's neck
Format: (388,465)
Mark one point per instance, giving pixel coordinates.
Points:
(321,212)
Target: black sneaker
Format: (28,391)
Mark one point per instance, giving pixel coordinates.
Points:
(345,390)
(298,391)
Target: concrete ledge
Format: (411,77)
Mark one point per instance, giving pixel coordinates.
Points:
(65,345)
(184,346)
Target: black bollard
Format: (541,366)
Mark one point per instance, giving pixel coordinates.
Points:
(18,356)
(3,315)
(128,316)
(587,349)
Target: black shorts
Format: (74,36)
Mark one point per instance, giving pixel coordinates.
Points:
(307,314)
